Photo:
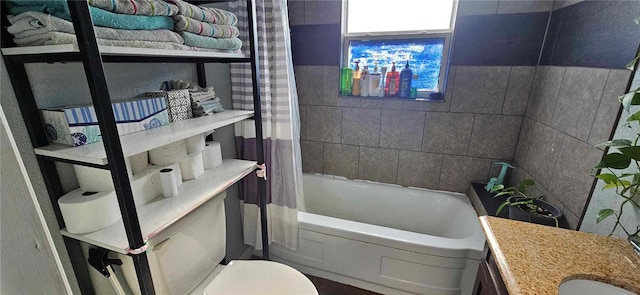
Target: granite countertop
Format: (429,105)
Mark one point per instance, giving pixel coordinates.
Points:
(536,259)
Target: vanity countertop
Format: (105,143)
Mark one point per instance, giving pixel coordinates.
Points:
(536,259)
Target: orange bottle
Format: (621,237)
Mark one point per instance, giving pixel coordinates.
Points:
(393,81)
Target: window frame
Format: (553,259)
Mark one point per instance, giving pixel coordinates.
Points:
(346,38)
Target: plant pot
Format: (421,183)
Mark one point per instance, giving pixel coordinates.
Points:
(516,213)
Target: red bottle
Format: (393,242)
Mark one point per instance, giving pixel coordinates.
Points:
(393,82)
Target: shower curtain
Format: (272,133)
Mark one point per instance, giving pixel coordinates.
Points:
(280,122)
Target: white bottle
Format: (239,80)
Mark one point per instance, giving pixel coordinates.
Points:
(375,79)
(364,82)
(384,71)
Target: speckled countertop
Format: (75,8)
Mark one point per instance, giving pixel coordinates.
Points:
(536,259)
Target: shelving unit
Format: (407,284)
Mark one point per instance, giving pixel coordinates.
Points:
(163,212)
(147,221)
(135,143)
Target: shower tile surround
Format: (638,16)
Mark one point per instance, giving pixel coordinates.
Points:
(378,139)
(446,145)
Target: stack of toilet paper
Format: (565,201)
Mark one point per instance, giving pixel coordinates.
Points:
(160,171)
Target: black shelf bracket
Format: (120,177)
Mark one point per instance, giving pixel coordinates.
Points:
(257,117)
(92,62)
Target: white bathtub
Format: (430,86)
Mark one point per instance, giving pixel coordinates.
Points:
(386,238)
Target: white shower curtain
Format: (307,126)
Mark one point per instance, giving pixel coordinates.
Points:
(280,122)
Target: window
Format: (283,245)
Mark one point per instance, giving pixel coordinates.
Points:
(381,32)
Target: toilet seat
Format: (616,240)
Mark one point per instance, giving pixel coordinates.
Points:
(257,277)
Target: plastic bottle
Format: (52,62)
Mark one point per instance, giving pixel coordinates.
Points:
(364,82)
(405,82)
(355,88)
(374,81)
(393,80)
(382,84)
(345,81)
(414,86)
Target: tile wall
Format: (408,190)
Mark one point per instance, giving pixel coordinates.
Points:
(570,110)
(506,99)
(573,102)
(412,143)
(425,144)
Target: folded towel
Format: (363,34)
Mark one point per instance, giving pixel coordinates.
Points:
(205,14)
(54,38)
(102,18)
(187,24)
(212,43)
(202,96)
(206,107)
(37,23)
(138,7)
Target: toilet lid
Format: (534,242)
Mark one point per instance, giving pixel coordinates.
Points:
(259,277)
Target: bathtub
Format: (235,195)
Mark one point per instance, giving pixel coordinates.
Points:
(386,238)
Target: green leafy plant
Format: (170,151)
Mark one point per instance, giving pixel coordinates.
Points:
(627,158)
(519,198)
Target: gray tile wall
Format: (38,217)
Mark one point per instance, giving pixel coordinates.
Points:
(569,111)
(432,145)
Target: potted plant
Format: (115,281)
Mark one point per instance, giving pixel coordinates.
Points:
(527,207)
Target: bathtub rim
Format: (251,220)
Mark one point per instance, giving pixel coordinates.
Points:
(470,246)
(467,248)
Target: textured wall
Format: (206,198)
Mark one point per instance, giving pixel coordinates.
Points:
(570,110)
(414,143)
(29,264)
(19,131)
(573,103)
(439,145)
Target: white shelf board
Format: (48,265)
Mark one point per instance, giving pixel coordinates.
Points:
(119,51)
(138,142)
(162,212)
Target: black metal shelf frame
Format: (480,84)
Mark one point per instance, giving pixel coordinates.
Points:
(92,60)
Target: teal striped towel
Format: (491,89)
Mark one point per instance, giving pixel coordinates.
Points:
(102,18)
(211,43)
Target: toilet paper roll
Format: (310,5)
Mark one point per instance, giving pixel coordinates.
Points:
(168,154)
(85,212)
(142,188)
(154,174)
(168,179)
(139,162)
(195,143)
(211,155)
(93,179)
(192,167)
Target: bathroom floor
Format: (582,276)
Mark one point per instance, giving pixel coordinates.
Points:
(327,287)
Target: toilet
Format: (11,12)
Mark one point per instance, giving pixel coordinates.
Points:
(186,257)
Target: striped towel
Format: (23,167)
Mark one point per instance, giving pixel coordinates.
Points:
(187,24)
(205,14)
(34,23)
(138,7)
(54,38)
(211,43)
(100,17)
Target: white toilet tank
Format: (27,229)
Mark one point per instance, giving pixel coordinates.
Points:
(182,255)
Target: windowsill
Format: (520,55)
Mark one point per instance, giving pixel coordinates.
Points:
(424,99)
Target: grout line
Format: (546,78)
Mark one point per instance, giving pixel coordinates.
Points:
(544,39)
(506,90)
(604,87)
(473,126)
(555,105)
